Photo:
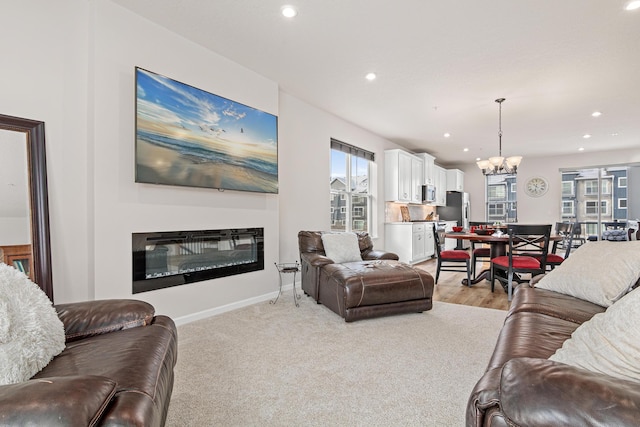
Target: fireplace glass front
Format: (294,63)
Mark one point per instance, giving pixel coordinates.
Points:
(165,259)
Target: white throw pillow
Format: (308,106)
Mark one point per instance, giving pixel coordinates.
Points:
(31,333)
(341,247)
(609,343)
(600,272)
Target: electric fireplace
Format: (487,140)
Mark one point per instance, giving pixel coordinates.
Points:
(165,259)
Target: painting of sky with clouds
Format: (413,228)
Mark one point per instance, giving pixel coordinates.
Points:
(186,136)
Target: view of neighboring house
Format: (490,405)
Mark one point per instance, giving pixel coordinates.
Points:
(590,195)
(359,203)
(501,198)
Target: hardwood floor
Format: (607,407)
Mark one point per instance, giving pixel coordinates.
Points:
(449,289)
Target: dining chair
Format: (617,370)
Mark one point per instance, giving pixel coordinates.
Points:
(479,251)
(451,260)
(526,242)
(564,229)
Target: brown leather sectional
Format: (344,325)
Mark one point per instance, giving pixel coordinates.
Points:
(379,285)
(116,369)
(522,388)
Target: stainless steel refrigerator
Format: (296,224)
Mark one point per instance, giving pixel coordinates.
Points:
(457,209)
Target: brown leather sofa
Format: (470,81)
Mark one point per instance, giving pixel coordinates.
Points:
(522,388)
(116,370)
(379,285)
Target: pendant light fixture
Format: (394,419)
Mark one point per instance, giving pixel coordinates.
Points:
(499,165)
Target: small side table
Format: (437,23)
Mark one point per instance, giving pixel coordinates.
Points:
(286,268)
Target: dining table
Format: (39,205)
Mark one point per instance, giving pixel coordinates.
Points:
(497,242)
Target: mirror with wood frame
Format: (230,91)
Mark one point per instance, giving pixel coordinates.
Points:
(24,207)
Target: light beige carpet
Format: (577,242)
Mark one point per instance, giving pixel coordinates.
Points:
(278,365)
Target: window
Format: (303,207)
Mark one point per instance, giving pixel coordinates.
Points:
(501,204)
(591,188)
(567,188)
(350,170)
(622,182)
(622,203)
(568,208)
(591,207)
(496,192)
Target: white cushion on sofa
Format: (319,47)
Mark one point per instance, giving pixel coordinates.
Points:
(609,343)
(600,272)
(31,333)
(341,247)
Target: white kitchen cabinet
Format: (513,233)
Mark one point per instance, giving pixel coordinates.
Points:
(440,175)
(428,163)
(429,241)
(411,241)
(402,177)
(417,176)
(455,180)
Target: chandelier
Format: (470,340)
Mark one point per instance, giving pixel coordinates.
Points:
(499,165)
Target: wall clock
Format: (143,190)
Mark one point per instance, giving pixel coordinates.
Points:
(536,186)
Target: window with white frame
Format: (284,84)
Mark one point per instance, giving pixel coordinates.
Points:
(622,203)
(567,188)
(591,187)
(568,208)
(496,192)
(622,182)
(591,207)
(514,188)
(350,171)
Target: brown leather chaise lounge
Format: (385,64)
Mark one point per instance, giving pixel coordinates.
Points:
(379,285)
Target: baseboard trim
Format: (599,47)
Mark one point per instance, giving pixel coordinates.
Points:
(182,320)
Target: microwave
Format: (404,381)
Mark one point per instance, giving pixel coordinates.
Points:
(428,193)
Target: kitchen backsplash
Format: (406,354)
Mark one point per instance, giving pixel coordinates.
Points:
(416,212)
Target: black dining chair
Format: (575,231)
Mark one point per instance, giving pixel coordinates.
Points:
(451,260)
(565,230)
(527,253)
(479,251)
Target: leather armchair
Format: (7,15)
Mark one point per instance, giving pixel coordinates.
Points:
(116,369)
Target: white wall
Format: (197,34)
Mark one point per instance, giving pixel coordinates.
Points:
(545,209)
(122,40)
(305,132)
(44,77)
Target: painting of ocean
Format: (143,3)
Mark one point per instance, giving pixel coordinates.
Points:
(188,137)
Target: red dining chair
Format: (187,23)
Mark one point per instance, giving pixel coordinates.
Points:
(525,243)
(564,229)
(479,251)
(451,260)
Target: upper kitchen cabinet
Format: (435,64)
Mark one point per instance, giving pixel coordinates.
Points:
(440,181)
(428,163)
(455,180)
(403,175)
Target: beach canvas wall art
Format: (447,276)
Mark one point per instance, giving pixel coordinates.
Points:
(189,137)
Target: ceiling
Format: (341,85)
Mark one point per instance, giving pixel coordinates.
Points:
(440,66)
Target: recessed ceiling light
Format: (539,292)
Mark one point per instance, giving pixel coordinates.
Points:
(370,76)
(581,149)
(465,150)
(596,114)
(632,5)
(586,136)
(447,135)
(288,11)
(478,159)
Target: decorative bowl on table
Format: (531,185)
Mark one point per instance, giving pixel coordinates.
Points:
(484,231)
(457,229)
